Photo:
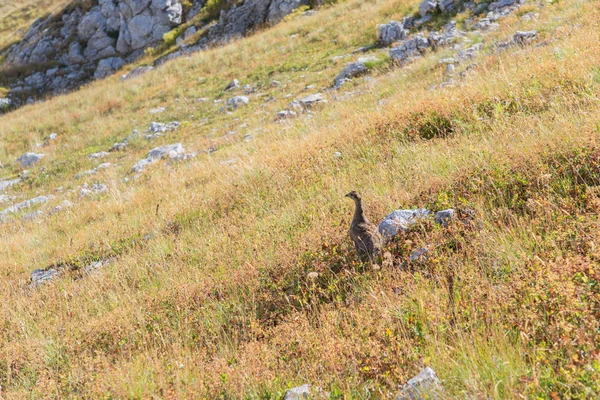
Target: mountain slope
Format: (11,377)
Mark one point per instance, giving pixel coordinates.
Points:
(204,289)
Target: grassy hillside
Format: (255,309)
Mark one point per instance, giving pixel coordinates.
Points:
(208,294)
(17,16)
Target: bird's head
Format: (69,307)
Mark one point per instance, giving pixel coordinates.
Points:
(353,195)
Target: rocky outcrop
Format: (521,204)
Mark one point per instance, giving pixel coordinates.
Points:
(236,22)
(80,44)
(391,32)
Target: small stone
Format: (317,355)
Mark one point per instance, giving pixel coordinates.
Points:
(100,154)
(62,206)
(337,154)
(444,217)
(237,101)
(119,146)
(234,84)
(423,386)
(28,159)
(41,276)
(158,110)
(352,70)
(524,37)
(312,275)
(157,127)
(298,393)
(285,114)
(310,101)
(95,188)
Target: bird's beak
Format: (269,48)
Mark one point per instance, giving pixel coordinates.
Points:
(348,195)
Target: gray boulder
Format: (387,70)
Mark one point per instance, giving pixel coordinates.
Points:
(400,221)
(391,32)
(351,71)
(427,7)
(424,386)
(108,66)
(28,159)
(409,49)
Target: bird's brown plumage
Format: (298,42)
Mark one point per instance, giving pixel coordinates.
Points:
(364,234)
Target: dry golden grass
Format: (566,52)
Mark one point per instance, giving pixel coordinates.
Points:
(17,16)
(217,303)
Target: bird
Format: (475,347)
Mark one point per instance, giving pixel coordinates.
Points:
(364,234)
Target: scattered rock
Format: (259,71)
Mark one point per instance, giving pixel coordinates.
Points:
(5,184)
(95,188)
(157,127)
(41,276)
(137,71)
(306,391)
(234,84)
(427,7)
(108,66)
(119,146)
(500,4)
(351,71)
(524,37)
(100,154)
(158,110)
(308,102)
(26,204)
(425,385)
(28,159)
(391,32)
(400,220)
(172,151)
(525,17)
(419,255)
(97,265)
(444,217)
(237,101)
(285,114)
(411,48)
(62,206)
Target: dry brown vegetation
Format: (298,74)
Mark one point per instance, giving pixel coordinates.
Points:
(216,302)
